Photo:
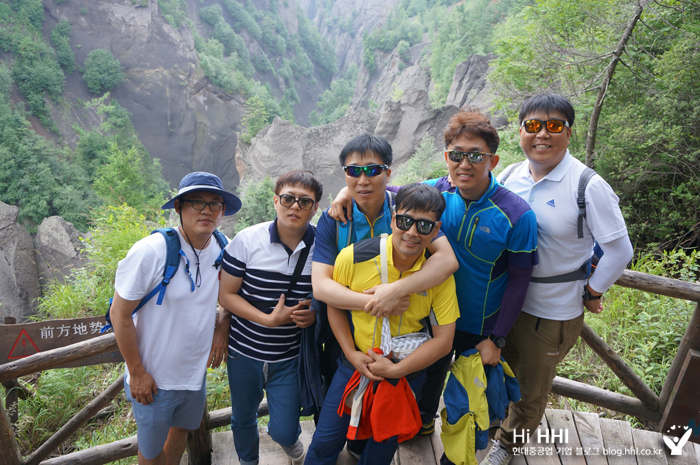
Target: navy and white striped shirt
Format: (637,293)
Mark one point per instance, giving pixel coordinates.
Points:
(266,265)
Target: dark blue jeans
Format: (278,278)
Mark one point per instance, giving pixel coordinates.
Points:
(329,437)
(247,379)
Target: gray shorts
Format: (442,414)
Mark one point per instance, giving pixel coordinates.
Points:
(179,409)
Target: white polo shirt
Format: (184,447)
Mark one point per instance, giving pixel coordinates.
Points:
(553,199)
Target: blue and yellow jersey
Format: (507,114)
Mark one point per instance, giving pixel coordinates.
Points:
(487,235)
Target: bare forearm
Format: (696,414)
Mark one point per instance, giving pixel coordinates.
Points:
(337,295)
(127,340)
(424,356)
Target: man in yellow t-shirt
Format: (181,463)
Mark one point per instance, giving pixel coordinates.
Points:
(414,224)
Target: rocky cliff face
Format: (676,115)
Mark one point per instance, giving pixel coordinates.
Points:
(282,146)
(345,24)
(180,117)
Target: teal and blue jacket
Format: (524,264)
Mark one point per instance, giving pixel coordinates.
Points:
(488,236)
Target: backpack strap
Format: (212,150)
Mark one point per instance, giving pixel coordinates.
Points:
(172,262)
(586,176)
(508,171)
(223,242)
(585,269)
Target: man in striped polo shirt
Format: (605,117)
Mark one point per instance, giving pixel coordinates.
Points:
(267,312)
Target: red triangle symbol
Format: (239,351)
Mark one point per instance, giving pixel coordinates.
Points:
(24,346)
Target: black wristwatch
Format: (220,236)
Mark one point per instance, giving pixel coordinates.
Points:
(588,296)
(499,342)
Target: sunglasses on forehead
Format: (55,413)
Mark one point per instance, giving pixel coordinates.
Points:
(553,125)
(354,171)
(472,157)
(424,227)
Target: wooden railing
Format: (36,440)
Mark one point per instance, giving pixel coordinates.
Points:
(646,404)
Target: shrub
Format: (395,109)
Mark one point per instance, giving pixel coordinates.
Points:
(257,203)
(102,71)
(425,163)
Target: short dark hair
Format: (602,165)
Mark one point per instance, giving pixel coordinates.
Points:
(475,123)
(422,197)
(366,144)
(547,102)
(303,178)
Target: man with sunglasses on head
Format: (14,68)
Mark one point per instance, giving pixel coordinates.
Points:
(167,345)
(561,289)
(264,287)
(358,267)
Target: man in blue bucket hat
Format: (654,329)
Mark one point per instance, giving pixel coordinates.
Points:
(167,345)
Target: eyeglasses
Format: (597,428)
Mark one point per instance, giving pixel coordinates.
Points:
(553,125)
(355,171)
(473,157)
(424,227)
(201,205)
(287,200)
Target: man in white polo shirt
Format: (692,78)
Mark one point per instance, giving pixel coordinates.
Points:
(552,316)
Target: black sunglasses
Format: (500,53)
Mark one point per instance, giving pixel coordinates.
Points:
(553,125)
(472,157)
(201,205)
(424,227)
(305,203)
(355,171)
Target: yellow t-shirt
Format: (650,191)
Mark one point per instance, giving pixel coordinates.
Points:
(358,268)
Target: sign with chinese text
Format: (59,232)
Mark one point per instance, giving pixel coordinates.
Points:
(25,339)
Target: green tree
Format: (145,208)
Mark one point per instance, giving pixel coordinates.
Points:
(255,118)
(335,101)
(37,74)
(257,198)
(103,71)
(60,39)
(212,14)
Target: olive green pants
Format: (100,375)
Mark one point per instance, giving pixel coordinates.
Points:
(534,348)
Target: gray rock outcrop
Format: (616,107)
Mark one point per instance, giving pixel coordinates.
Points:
(390,80)
(282,147)
(58,248)
(19,282)
(470,87)
(404,123)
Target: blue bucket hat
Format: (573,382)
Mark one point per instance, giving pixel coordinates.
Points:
(200,181)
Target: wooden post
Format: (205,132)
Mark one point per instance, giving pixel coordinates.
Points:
(199,442)
(11,387)
(620,368)
(691,340)
(10,450)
